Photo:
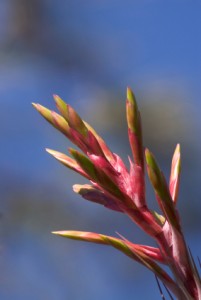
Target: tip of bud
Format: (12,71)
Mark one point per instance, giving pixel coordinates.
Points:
(55,96)
(57,99)
(35,105)
(130,95)
(148,156)
(83,189)
(178,148)
(69,234)
(132,112)
(77,188)
(59,232)
(49,151)
(154,172)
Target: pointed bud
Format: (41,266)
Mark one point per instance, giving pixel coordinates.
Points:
(84,163)
(45,112)
(71,116)
(67,161)
(153,170)
(175,174)
(126,247)
(134,128)
(108,154)
(161,189)
(92,194)
(78,125)
(123,245)
(137,252)
(62,106)
(53,118)
(61,124)
(132,111)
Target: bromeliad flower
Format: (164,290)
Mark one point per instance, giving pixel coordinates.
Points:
(123,190)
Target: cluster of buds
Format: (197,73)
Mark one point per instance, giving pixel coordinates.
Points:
(121,189)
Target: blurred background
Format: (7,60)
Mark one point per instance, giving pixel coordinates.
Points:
(88,52)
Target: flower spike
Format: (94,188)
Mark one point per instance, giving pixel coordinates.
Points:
(119,189)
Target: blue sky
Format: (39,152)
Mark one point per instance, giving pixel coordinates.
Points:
(88,52)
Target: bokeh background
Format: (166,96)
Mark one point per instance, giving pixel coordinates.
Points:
(88,52)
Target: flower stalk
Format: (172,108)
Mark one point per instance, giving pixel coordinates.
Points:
(121,189)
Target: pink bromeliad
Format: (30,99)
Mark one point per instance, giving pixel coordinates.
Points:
(123,190)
